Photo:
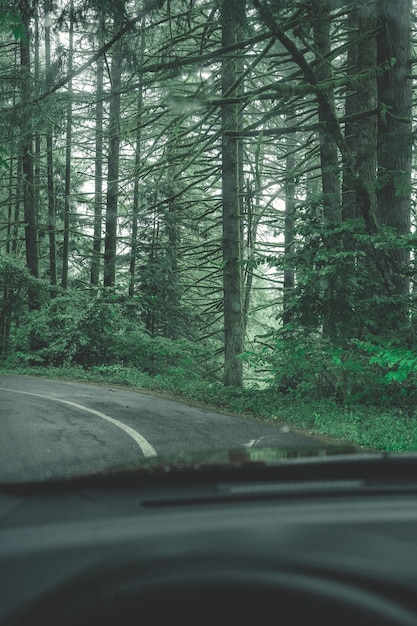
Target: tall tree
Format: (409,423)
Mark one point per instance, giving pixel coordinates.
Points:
(232,17)
(138,159)
(98,165)
(395,138)
(26,146)
(289,234)
(361,101)
(49,155)
(329,158)
(68,153)
(110,244)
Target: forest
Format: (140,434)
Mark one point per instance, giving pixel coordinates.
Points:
(214,198)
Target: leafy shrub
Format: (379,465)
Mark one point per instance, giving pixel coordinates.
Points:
(42,336)
(375,370)
(79,329)
(155,355)
(16,283)
(92,340)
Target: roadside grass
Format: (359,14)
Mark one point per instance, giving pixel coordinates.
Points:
(366,426)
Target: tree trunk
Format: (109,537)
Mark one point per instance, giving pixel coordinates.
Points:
(15,176)
(360,141)
(329,159)
(49,159)
(329,163)
(135,208)
(289,234)
(136,189)
(361,134)
(98,171)
(10,206)
(248,211)
(395,135)
(68,140)
(37,135)
(232,14)
(26,152)
(110,246)
(367,102)
(349,208)
(17,206)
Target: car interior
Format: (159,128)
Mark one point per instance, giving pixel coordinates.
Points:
(323,539)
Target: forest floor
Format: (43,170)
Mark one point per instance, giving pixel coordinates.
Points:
(372,427)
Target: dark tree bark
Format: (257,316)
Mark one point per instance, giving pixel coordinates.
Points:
(395,133)
(349,208)
(17,206)
(110,245)
(10,206)
(49,160)
(367,102)
(361,100)
(289,233)
(26,150)
(232,15)
(136,202)
(361,142)
(37,135)
(68,150)
(136,188)
(329,158)
(329,162)
(14,181)
(248,212)
(98,172)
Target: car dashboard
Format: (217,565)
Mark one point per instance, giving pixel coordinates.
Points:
(317,541)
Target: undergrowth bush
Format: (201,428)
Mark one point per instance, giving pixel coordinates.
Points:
(154,355)
(373,370)
(75,329)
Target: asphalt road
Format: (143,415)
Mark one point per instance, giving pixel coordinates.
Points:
(53,429)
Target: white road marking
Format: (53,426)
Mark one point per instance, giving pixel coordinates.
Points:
(147,449)
(253,442)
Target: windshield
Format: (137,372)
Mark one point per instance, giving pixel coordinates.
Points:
(207,231)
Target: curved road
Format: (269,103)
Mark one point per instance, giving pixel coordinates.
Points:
(53,429)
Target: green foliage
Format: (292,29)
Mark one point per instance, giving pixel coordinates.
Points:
(16,282)
(376,371)
(91,341)
(45,336)
(15,279)
(347,280)
(395,364)
(11,22)
(350,337)
(154,355)
(78,329)
(160,292)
